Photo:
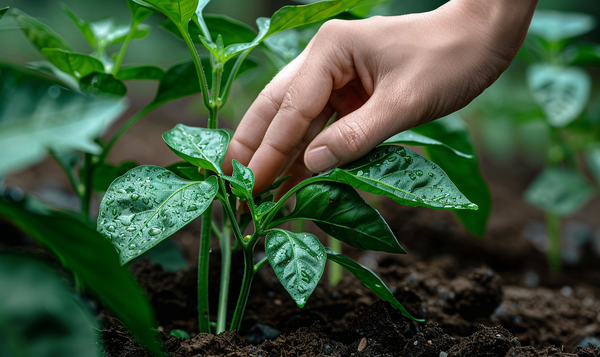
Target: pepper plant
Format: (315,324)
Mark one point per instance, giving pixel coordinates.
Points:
(562,90)
(150,203)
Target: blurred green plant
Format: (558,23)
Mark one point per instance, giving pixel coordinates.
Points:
(555,117)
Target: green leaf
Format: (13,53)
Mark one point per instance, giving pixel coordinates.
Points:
(177,82)
(592,158)
(202,147)
(91,258)
(293,16)
(138,13)
(178,11)
(50,70)
(39,316)
(37,114)
(106,173)
(149,204)
(554,26)
(412,138)
(150,73)
(40,35)
(180,334)
(78,65)
(343,214)
(463,171)
(84,26)
(232,31)
(263,209)
(370,279)
(298,260)
(587,54)
(559,191)
(103,85)
(406,177)
(286,44)
(242,179)
(3,11)
(562,92)
(186,170)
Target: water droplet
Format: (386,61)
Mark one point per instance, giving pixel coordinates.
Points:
(402,153)
(411,175)
(392,158)
(115,211)
(301,289)
(305,276)
(131,228)
(434,167)
(132,246)
(419,173)
(135,197)
(409,159)
(359,173)
(110,228)
(110,202)
(154,231)
(146,200)
(430,174)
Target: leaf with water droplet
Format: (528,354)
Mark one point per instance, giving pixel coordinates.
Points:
(242,179)
(156,218)
(369,279)
(463,170)
(205,150)
(297,260)
(394,179)
(342,213)
(264,209)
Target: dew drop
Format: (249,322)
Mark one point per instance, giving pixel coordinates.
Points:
(192,208)
(110,202)
(419,173)
(359,173)
(392,158)
(135,197)
(146,200)
(412,176)
(132,246)
(154,231)
(110,229)
(402,153)
(131,228)
(430,174)
(305,276)
(409,159)
(301,289)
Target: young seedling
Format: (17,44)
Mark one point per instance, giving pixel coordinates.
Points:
(150,203)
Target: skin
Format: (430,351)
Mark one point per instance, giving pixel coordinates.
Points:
(378,76)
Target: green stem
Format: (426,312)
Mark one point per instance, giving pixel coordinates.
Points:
(149,108)
(240,307)
(335,270)
(88,183)
(234,71)
(229,212)
(73,179)
(225,244)
(260,264)
(199,70)
(123,48)
(553,226)
(203,264)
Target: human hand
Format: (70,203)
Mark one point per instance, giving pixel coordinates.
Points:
(381,75)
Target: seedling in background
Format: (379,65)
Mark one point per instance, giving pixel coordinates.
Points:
(150,203)
(562,90)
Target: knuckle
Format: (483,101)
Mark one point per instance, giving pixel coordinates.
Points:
(289,105)
(332,27)
(353,135)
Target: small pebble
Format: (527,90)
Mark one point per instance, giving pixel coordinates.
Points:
(443,354)
(566,290)
(362,344)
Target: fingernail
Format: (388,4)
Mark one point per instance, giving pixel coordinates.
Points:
(320,159)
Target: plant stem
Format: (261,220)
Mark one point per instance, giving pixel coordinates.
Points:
(335,270)
(73,179)
(260,264)
(225,244)
(245,291)
(88,183)
(203,265)
(553,226)
(149,108)
(199,70)
(124,47)
(231,78)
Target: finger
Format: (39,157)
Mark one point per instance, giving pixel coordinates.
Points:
(354,135)
(254,124)
(325,67)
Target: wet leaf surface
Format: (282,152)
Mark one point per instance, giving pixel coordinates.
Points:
(149,204)
(298,260)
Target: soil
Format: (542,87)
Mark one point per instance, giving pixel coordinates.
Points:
(492,297)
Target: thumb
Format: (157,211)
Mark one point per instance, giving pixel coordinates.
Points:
(357,133)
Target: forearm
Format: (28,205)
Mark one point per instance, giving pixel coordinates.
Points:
(504,22)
